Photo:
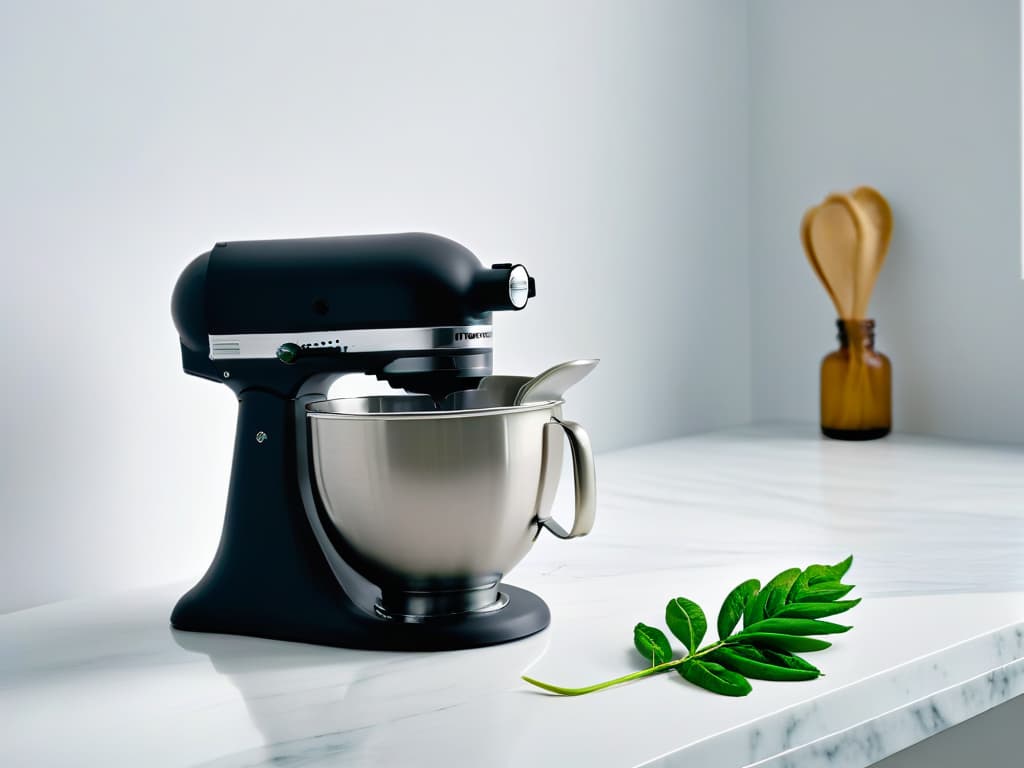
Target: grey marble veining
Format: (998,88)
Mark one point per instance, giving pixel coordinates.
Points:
(937,529)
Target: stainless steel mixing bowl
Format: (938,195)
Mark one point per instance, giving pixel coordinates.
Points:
(438,505)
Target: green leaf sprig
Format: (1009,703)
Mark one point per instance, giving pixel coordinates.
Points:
(779,621)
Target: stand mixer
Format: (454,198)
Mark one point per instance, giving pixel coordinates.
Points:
(277,321)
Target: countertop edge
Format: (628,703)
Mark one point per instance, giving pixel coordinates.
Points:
(986,670)
(905,726)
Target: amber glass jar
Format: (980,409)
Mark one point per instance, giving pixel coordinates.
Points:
(856,386)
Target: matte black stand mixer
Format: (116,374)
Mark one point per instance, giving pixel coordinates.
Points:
(383,522)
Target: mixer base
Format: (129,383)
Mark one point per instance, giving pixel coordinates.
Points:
(345,625)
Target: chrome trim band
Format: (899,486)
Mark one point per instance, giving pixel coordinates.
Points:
(322,409)
(248,346)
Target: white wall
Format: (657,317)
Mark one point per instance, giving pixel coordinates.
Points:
(604,144)
(922,100)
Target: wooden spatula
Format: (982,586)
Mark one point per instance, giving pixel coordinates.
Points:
(874,246)
(805,238)
(834,231)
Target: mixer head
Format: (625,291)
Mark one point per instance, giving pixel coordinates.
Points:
(413,309)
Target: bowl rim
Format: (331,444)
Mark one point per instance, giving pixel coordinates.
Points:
(312,412)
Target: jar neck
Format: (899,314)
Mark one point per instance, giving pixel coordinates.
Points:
(856,333)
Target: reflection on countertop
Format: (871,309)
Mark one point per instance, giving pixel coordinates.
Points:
(292,690)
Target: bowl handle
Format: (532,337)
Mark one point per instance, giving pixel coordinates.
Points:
(584,477)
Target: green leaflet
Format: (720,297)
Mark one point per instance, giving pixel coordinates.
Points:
(818,574)
(687,622)
(752,663)
(755,608)
(839,569)
(732,608)
(824,593)
(795,627)
(714,677)
(801,583)
(652,644)
(815,610)
(787,659)
(757,654)
(777,596)
(782,642)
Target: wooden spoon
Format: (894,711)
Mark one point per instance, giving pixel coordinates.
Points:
(805,238)
(835,231)
(875,244)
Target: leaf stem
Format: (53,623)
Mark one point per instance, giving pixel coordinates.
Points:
(625,678)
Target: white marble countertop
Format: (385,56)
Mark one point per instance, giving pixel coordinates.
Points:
(937,529)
